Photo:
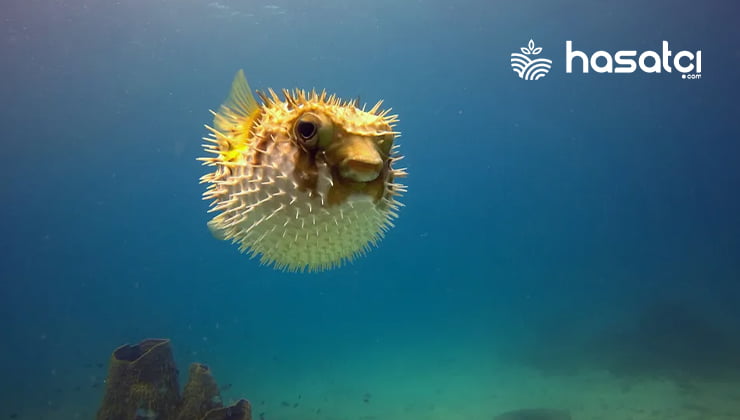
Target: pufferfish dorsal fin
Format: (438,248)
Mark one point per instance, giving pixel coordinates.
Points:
(239,109)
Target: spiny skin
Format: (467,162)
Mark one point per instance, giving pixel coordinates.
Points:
(301,206)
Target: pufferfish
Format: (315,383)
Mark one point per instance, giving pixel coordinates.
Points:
(305,182)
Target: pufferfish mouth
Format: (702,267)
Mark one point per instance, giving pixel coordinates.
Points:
(361,160)
(360,170)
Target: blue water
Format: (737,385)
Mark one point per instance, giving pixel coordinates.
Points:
(540,214)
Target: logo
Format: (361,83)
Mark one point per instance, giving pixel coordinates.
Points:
(527,66)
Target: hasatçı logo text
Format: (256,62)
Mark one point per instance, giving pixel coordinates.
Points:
(527,66)
(628,61)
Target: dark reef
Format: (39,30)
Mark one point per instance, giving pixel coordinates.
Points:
(668,339)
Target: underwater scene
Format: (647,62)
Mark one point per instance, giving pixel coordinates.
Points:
(370,210)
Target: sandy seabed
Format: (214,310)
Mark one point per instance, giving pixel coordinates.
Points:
(406,386)
(410,383)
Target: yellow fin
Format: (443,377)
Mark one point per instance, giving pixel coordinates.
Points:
(239,108)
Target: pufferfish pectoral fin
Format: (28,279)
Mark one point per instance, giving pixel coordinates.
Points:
(216,231)
(239,107)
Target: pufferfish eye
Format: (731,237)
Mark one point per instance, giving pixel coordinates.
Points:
(307,129)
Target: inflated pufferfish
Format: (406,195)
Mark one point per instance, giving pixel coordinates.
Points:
(306,182)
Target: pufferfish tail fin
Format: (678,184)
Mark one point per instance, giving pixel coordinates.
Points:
(239,109)
(216,231)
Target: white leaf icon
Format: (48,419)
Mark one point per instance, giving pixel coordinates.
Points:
(525,50)
(531,44)
(537,50)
